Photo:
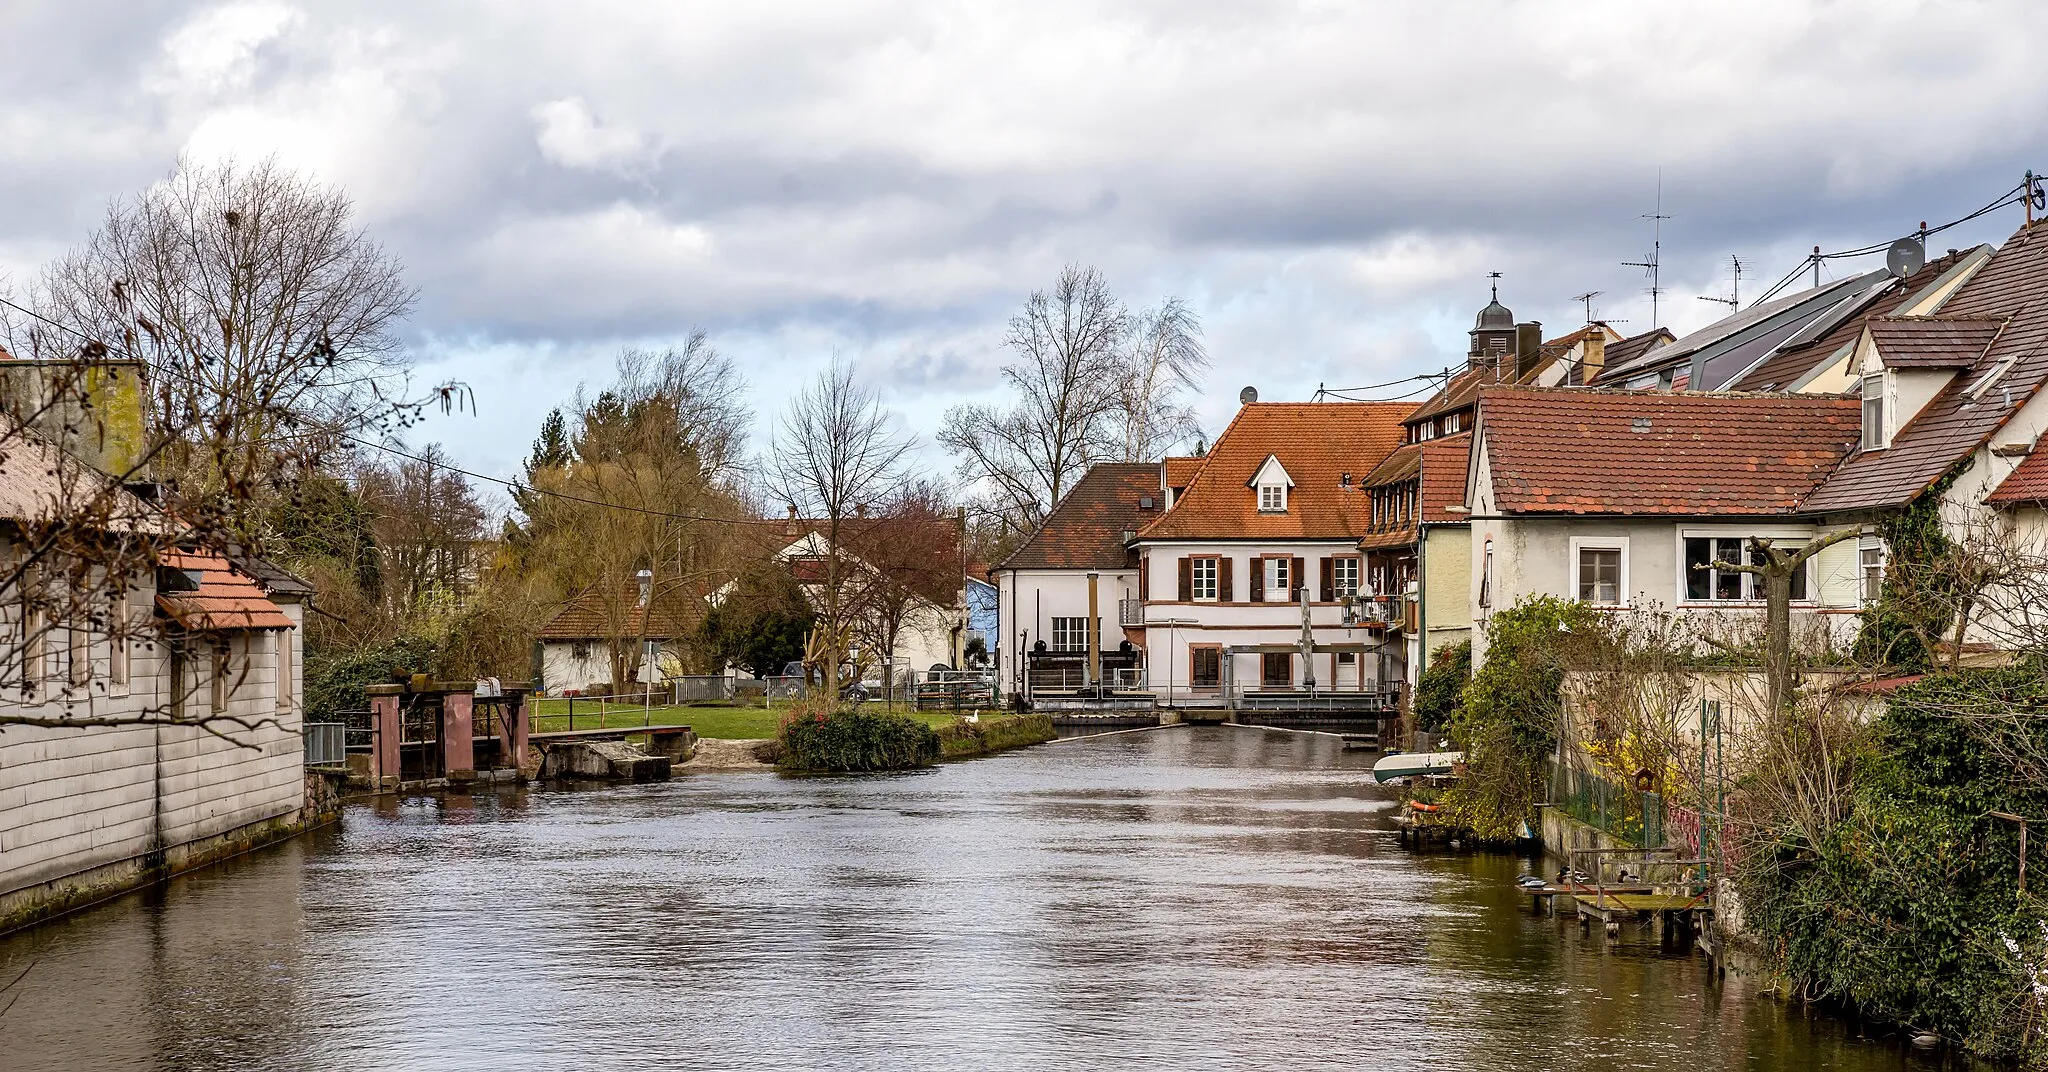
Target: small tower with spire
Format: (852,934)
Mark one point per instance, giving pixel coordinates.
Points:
(1493,332)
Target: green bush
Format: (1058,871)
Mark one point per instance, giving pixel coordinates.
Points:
(1441,690)
(1508,723)
(994,734)
(335,679)
(1904,909)
(851,739)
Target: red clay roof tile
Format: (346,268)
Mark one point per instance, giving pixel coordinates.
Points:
(1317,443)
(1086,530)
(227,599)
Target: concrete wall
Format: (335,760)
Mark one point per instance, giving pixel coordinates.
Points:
(1446,595)
(88,806)
(562,669)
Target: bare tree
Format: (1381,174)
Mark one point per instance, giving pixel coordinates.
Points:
(1163,358)
(1776,567)
(428,526)
(906,569)
(1070,368)
(836,454)
(265,312)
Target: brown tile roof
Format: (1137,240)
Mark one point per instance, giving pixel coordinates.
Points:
(1933,341)
(1461,391)
(2026,484)
(1086,529)
(227,599)
(1444,462)
(1645,452)
(1403,464)
(1181,470)
(588,617)
(1317,443)
(1952,425)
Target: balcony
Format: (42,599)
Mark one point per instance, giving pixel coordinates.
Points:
(1130,613)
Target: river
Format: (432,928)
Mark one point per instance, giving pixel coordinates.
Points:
(1216,898)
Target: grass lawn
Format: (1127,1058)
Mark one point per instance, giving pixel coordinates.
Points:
(726,723)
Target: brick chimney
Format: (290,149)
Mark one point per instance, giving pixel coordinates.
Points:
(1593,354)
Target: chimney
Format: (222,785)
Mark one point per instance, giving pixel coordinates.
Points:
(90,407)
(1528,344)
(790,528)
(1592,354)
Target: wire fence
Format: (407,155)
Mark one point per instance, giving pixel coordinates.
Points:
(1630,815)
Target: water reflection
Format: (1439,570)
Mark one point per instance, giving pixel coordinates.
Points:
(1222,898)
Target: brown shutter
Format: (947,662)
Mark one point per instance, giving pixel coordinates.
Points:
(1258,579)
(1297,579)
(1187,580)
(1144,576)
(1329,589)
(1223,565)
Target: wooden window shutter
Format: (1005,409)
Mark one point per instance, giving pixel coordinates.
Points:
(1187,579)
(1144,576)
(1223,579)
(1297,577)
(1258,579)
(1329,589)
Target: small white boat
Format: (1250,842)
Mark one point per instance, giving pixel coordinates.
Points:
(1415,764)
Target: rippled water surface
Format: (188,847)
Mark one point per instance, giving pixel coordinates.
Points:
(1186,898)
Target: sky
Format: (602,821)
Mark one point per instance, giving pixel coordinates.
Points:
(1327,184)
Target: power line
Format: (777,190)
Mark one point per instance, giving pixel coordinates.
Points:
(1814,259)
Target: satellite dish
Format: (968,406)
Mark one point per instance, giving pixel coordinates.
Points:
(1905,257)
(1248,396)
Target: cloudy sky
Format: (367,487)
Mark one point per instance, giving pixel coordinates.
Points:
(1326,183)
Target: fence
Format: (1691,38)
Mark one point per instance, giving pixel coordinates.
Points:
(1633,816)
(326,744)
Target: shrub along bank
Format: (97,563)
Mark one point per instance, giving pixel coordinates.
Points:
(1907,908)
(962,738)
(852,740)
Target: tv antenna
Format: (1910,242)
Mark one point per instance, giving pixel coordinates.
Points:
(1651,266)
(1734,299)
(1586,299)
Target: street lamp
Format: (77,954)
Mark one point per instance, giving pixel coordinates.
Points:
(1169,623)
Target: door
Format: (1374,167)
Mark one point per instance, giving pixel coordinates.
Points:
(1347,671)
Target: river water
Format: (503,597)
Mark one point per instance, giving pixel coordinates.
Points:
(1215,898)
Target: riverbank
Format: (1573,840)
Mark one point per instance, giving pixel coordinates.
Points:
(962,739)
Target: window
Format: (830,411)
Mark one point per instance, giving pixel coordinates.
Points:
(1279,588)
(1870,569)
(1600,575)
(1204,585)
(1486,577)
(1344,576)
(1276,669)
(1205,667)
(217,694)
(1070,634)
(117,640)
(1450,424)
(284,669)
(1272,498)
(1873,411)
(1706,584)
(179,662)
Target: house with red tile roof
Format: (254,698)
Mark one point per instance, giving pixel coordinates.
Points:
(1081,556)
(1248,581)
(1625,499)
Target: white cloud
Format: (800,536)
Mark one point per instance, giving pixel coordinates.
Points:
(572,137)
(215,49)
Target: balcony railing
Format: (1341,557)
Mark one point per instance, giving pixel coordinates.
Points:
(1130,613)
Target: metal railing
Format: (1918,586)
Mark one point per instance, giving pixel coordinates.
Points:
(1634,816)
(326,744)
(1130,613)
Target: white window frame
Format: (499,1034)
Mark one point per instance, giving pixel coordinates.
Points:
(1876,435)
(1868,548)
(1278,580)
(1197,590)
(1600,543)
(1058,635)
(1272,498)
(1450,424)
(1338,566)
(1752,584)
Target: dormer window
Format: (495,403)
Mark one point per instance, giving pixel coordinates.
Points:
(1874,437)
(1451,424)
(1272,484)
